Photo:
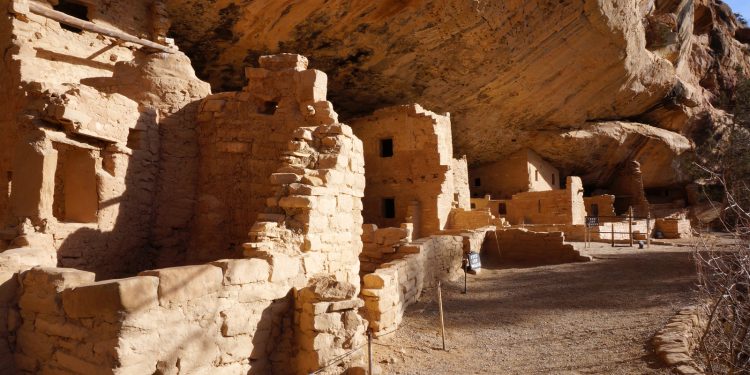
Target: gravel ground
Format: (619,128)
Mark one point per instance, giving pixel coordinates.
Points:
(582,318)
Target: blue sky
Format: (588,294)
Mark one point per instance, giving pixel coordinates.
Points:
(740,6)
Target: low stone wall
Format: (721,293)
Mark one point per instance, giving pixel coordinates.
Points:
(572,232)
(677,341)
(674,228)
(396,285)
(521,245)
(474,219)
(380,245)
(228,317)
(602,233)
(12,263)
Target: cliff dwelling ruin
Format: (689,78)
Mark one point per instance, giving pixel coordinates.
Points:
(230,187)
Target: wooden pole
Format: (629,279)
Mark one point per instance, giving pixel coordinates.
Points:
(630,225)
(612,229)
(90,26)
(648,230)
(440,306)
(369,352)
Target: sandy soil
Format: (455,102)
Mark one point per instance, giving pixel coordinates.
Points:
(583,318)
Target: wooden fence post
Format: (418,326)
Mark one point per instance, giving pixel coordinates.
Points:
(630,225)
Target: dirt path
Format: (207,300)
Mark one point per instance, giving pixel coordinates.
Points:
(583,318)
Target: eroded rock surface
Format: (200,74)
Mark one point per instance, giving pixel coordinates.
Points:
(503,69)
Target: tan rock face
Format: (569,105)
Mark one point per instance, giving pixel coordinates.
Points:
(503,69)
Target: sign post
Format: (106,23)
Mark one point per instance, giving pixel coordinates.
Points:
(472,264)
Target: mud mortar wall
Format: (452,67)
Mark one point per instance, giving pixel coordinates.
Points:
(395,285)
(90,121)
(289,308)
(549,207)
(419,169)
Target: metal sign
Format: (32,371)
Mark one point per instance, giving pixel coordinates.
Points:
(592,221)
(475,262)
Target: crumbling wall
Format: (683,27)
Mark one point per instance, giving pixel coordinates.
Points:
(549,207)
(521,245)
(497,207)
(264,314)
(392,288)
(416,172)
(195,318)
(242,136)
(90,125)
(474,219)
(604,205)
(381,245)
(12,263)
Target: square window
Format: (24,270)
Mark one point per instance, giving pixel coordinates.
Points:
(386,148)
(389,208)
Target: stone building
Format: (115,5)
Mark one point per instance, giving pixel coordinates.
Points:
(560,206)
(148,226)
(523,171)
(116,160)
(411,175)
(93,133)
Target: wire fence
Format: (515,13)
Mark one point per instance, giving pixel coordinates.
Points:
(594,225)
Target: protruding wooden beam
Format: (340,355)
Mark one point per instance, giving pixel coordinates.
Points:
(90,26)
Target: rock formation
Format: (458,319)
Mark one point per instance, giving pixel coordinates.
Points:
(505,70)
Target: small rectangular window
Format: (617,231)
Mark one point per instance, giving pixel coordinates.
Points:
(386,148)
(74,9)
(503,209)
(473,206)
(539,206)
(477,182)
(389,208)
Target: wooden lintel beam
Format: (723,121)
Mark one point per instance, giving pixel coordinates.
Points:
(90,26)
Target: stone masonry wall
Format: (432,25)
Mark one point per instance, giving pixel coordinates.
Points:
(288,308)
(474,219)
(604,202)
(12,263)
(381,245)
(461,183)
(520,172)
(549,207)
(673,228)
(521,245)
(420,171)
(392,288)
(243,136)
(89,125)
